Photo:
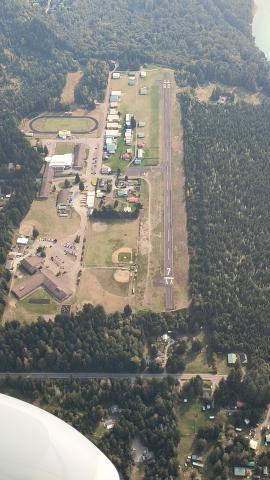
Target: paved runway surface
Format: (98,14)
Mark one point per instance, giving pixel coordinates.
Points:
(167,172)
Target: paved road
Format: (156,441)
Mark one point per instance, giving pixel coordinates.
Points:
(215,379)
(167,172)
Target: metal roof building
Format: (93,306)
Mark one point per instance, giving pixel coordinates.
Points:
(53,449)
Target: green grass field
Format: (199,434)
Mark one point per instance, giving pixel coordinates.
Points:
(124,257)
(107,237)
(26,312)
(190,418)
(54,124)
(62,148)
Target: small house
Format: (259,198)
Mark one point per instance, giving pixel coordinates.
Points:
(111,148)
(131,83)
(142,74)
(116,93)
(232,358)
(143,91)
(141,135)
(131,74)
(133,200)
(141,124)
(116,75)
(113,99)
(239,472)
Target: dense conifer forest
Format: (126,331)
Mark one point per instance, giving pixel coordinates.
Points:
(227,187)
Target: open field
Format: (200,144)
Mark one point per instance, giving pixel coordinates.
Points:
(72,81)
(198,363)
(52,124)
(26,312)
(44,217)
(104,238)
(92,289)
(145,108)
(64,147)
(190,418)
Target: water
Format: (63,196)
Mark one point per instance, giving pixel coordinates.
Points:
(261,26)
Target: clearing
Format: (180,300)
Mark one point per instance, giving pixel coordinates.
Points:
(64,147)
(43,216)
(72,81)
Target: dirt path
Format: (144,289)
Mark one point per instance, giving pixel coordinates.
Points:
(72,81)
(261,426)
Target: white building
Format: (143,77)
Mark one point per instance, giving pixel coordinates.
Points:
(116,75)
(113,118)
(60,161)
(116,93)
(142,74)
(53,450)
(112,133)
(22,241)
(112,126)
(64,134)
(140,153)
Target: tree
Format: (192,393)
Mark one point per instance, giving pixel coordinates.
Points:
(77,178)
(127,311)
(45,150)
(35,233)
(67,183)
(81,186)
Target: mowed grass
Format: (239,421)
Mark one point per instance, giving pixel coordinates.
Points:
(199,364)
(26,312)
(54,124)
(145,108)
(124,257)
(106,237)
(64,147)
(44,217)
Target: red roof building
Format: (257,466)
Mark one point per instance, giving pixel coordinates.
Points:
(133,200)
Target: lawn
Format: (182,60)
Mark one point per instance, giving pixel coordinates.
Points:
(44,217)
(198,364)
(124,257)
(106,237)
(54,124)
(64,147)
(25,312)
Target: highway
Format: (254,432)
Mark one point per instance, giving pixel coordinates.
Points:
(167,172)
(182,377)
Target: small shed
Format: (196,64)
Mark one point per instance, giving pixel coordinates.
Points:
(141,123)
(116,75)
(142,74)
(131,83)
(111,148)
(143,91)
(141,135)
(232,358)
(239,471)
(113,99)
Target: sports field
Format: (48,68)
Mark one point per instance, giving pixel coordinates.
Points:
(104,238)
(52,124)
(26,312)
(63,147)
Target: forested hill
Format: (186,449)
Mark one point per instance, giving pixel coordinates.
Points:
(33,61)
(202,39)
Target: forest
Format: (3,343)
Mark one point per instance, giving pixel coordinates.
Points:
(227,190)
(202,40)
(88,341)
(144,410)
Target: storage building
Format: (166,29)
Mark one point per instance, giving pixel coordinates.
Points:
(79,156)
(47,181)
(116,75)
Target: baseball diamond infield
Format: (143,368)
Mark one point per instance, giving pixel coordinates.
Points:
(122,255)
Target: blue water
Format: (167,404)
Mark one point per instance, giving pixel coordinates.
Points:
(261,26)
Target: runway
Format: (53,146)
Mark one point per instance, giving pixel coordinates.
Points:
(167,172)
